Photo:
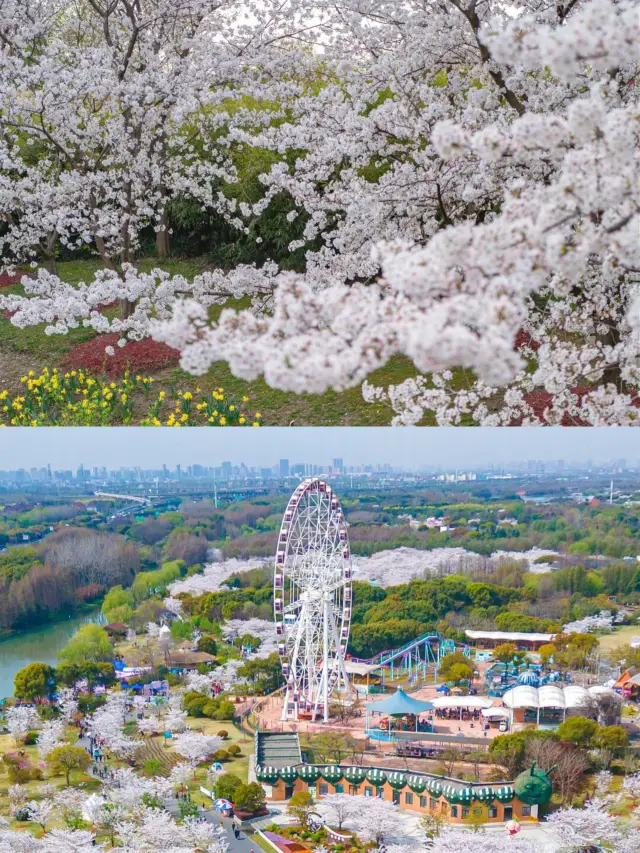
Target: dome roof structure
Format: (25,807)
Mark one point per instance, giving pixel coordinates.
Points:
(529,677)
(533,786)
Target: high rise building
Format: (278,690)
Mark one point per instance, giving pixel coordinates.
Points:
(338,466)
(284,467)
(227,470)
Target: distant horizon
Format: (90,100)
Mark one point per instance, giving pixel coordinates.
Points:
(411,448)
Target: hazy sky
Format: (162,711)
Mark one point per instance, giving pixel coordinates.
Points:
(412,447)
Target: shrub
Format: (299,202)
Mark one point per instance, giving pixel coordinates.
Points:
(196,707)
(234,749)
(221,755)
(153,767)
(20,768)
(30,738)
(249,797)
(225,786)
(223,733)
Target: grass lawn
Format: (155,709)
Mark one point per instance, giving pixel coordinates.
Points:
(27,349)
(620,637)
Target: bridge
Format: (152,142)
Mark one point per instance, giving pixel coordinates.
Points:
(135,499)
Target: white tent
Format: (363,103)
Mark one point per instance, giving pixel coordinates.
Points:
(551,696)
(495,713)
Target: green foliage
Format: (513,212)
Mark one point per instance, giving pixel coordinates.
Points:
(509,750)
(214,707)
(249,797)
(300,806)
(34,681)
(153,767)
(460,672)
(147,584)
(508,653)
(114,601)
(181,630)
(16,562)
(612,739)
(89,702)
(263,674)
(578,730)
(449,661)
(207,643)
(226,786)
(64,759)
(187,808)
(221,755)
(89,643)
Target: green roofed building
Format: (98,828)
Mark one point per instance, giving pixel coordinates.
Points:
(281,770)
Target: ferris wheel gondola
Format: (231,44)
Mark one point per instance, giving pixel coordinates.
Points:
(312,599)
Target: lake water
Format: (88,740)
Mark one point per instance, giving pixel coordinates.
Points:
(40,645)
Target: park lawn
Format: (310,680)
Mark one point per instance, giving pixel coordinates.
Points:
(619,637)
(27,349)
(239,765)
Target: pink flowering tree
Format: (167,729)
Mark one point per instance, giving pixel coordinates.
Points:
(467,174)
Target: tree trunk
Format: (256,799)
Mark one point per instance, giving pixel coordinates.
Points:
(162,236)
(50,257)
(126,307)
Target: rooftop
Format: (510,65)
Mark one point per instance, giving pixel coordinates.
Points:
(278,749)
(509,636)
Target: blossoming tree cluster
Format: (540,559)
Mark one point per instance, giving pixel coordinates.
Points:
(467,174)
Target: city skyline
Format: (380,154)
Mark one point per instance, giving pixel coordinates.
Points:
(401,448)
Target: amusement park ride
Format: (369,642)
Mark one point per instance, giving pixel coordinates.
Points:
(312,602)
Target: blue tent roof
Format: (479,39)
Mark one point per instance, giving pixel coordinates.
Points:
(399,703)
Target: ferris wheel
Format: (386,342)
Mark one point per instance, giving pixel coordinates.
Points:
(312,600)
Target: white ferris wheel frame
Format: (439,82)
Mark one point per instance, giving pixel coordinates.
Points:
(312,600)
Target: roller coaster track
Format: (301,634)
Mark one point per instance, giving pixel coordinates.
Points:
(390,655)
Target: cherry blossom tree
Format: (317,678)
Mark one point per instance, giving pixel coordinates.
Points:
(50,736)
(467,174)
(459,840)
(579,828)
(176,717)
(107,723)
(602,621)
(260,628)
(19,720)
(337,809)
(67,703)
(40,811)
(196,747)
(376,820)
(199,682)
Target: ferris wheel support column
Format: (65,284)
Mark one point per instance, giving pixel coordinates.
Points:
(325,661)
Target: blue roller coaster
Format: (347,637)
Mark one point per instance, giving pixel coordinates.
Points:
(415,662)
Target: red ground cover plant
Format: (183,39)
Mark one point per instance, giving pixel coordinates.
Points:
(137,356)
(524,339)
(6,280)
(541,400)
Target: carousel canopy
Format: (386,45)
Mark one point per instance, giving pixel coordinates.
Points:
(462,702)
(399,703)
